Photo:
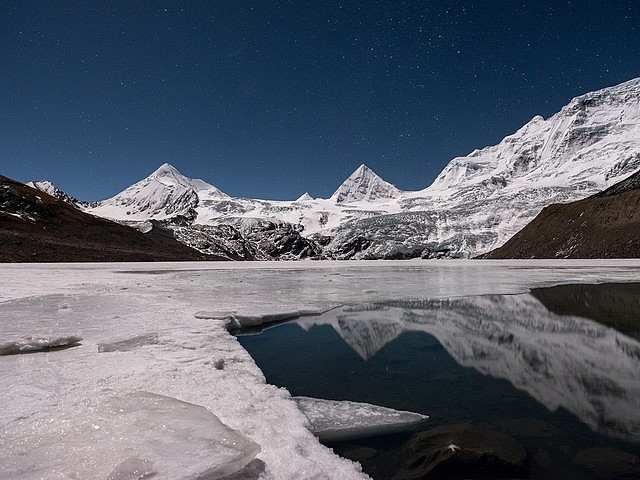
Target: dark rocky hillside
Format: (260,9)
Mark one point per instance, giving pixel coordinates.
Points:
(605,225)
(36,227)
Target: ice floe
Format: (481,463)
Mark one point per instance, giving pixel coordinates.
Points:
(337,420)
(35,343)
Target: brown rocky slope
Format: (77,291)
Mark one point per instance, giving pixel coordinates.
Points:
(36,227)
(605,225)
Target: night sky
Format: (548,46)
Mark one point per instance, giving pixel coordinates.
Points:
(269,99)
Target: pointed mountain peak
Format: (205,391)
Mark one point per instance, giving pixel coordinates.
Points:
(165,169)
(305,197)
(362,168)
(169,175)
(163,194)
(364,184)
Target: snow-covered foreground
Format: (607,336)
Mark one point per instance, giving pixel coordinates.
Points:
(161,329)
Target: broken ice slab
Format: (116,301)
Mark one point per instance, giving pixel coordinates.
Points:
(338,420)
(250,318)
(139,435)
(35,343)
(129,343)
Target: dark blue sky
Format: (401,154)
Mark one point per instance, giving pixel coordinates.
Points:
(273,98)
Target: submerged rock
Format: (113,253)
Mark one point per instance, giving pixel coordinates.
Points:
(462,451)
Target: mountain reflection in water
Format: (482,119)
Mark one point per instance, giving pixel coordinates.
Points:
(564,358)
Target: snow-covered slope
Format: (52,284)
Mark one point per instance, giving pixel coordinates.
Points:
(164,193)
(476,204)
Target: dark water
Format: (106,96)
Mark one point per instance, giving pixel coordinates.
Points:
(553,376)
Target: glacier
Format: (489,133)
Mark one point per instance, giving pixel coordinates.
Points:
(474,205)
(175,318)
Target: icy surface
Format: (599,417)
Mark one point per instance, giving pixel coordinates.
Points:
(35,343)
(196,360)
(333,420)
(138,435)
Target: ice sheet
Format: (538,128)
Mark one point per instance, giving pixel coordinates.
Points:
(333,420)
(139,435)
(187,304)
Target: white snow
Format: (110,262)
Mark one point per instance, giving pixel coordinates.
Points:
(340,420)
(195,359)
(128,343)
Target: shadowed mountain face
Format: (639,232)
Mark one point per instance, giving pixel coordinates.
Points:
(605,225)
(36,227)
(611,304)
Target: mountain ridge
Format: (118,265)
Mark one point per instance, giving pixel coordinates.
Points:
(473,206)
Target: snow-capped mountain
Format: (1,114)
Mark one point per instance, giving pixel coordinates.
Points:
(165,193)
(476,204)
(364,185)
(38,227)
(48,187)
(305,197)
(479,201)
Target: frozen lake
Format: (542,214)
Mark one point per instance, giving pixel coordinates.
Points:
(155,340)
